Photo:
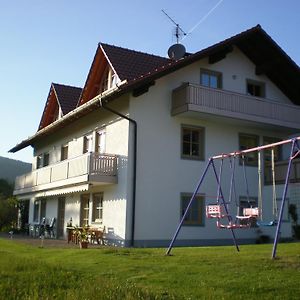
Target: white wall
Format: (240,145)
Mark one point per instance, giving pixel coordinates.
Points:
(51,207)
(236,68)
(115,195)
(162,175)
(73,135)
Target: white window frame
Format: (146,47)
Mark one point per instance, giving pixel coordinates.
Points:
(97,215)
(100,142)
(87,140)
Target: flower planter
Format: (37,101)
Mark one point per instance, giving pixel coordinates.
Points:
(83,245)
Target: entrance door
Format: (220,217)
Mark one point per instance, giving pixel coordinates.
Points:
(61,217)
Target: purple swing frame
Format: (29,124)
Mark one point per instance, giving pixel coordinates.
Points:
(294,145)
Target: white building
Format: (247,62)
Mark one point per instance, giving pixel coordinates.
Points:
(128,150)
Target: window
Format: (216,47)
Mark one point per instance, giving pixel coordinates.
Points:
(255,88)
(100,141)
(42,160)
(211,79)
(192,142)
(97,208)
(39,161)
(43,209)
(36,209)
(108,80)
(248,141)
(87,143)
(46,159)
(268,152)
(84,210)
(64,152)
(195,215)
(244,203)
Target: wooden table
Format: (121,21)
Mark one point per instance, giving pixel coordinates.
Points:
(94,234)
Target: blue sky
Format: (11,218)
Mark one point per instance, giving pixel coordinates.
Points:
(55,41)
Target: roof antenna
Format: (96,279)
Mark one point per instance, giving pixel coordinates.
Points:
(177,50)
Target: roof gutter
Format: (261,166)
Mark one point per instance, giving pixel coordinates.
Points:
(134,179)
(74,114)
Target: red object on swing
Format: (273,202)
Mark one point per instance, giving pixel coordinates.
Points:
(214,211)
(252,212)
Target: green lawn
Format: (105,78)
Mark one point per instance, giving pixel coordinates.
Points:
(28,272)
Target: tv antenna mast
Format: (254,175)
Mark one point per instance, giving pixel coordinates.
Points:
(178,30)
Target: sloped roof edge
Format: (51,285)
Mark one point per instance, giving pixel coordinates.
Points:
(157,73)
(178,64)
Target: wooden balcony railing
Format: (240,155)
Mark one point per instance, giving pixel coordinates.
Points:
(87,164)
(197,98)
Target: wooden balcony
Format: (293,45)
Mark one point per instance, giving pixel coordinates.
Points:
(90,168)
(191,100)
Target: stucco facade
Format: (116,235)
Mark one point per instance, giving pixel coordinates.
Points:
(143,187)
(163,175)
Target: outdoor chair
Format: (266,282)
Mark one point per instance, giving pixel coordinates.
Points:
(50,228)
(96,235)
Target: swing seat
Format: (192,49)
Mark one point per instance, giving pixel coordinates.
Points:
(214,211)
(232,226)
(266,224)
(249,213)
(252,212)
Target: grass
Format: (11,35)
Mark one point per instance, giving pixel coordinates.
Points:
(29,272)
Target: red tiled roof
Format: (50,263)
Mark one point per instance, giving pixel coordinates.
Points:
(67,96)
(141,69)
(130,64)
(63,95)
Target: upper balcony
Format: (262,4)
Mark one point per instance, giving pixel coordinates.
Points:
(90,168)
(190,100)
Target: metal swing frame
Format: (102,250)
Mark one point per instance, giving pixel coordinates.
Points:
(216,211)
(294,152)
(261,223)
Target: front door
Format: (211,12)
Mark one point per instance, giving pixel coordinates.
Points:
(61,217)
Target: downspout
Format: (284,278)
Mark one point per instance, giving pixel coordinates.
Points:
(134,123)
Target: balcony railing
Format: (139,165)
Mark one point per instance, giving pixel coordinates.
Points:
(197,98)
(91,166)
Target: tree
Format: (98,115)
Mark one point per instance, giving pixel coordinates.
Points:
(8,206)
(6,188)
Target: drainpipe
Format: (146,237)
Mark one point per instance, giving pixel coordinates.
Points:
(134,123)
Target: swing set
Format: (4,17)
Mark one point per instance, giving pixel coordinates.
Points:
(252,214)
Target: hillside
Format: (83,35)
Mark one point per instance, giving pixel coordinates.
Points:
(10,168)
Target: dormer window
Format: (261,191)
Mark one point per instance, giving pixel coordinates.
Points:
(57,114)
(108,81)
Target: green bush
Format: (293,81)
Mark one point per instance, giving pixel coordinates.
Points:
(8,213)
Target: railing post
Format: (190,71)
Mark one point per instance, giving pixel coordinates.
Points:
(68,166)
(89,163)
(50,179)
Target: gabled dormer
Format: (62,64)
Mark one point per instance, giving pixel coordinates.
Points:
(61,100)
(113,65)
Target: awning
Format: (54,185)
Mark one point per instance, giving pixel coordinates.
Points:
(63,191)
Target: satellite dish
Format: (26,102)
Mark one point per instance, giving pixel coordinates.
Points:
(176,51)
